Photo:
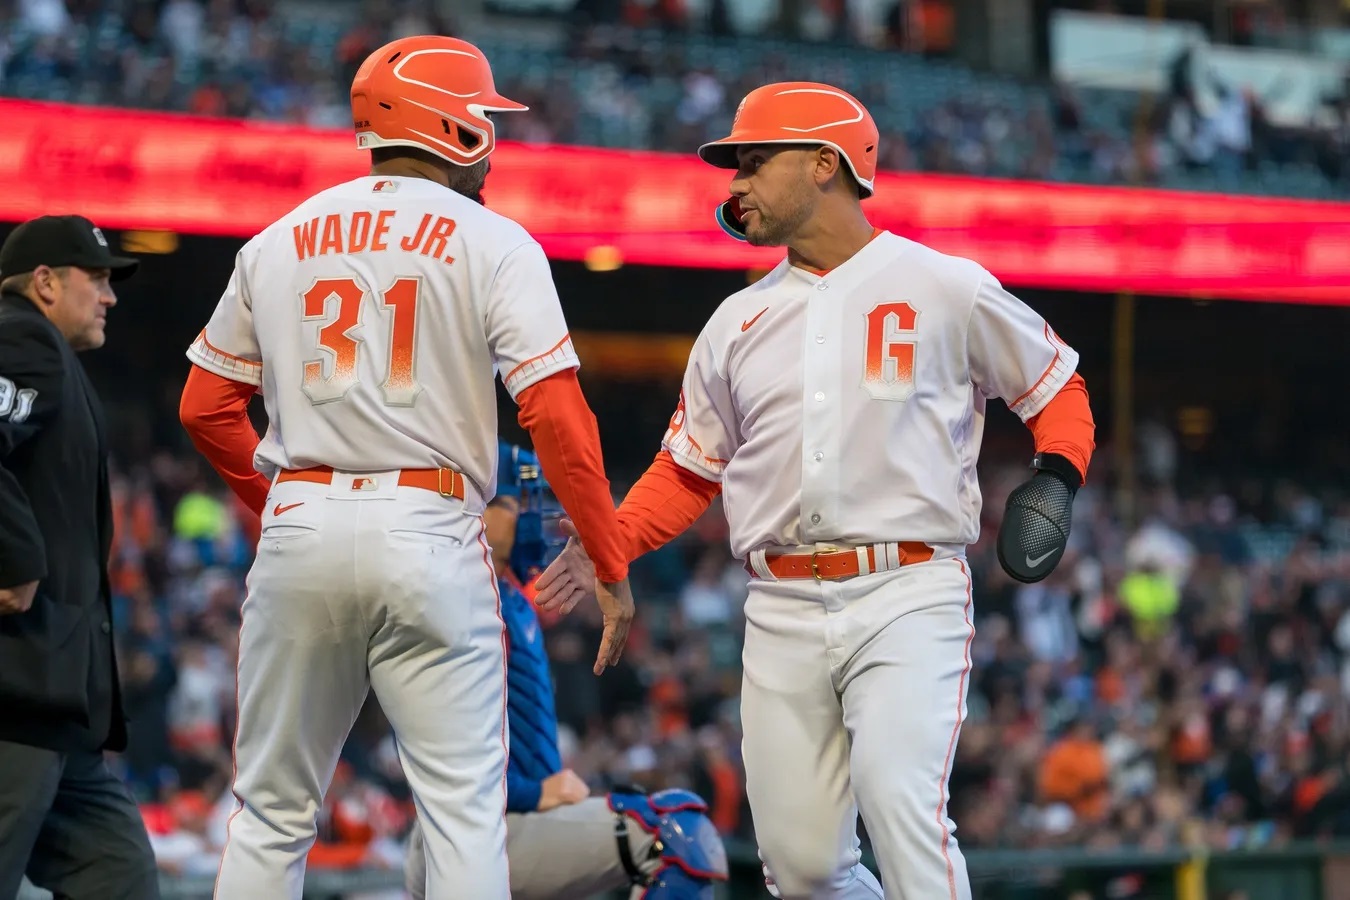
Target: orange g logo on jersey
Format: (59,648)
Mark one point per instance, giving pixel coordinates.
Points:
(888,372)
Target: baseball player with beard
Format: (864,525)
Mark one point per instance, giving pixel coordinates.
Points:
(375,318)
(838,405)
(563,843)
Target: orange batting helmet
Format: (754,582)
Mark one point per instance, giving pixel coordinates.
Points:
(797,112)
(802,112)
(430,92)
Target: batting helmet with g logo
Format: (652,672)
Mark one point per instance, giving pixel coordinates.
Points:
(430,92)
(802,112)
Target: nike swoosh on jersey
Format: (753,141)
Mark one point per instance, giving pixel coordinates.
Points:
(279,509)
(745,326)
(1034,562)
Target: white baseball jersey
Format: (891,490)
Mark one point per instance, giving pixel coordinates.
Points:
(849,407)
(375,317)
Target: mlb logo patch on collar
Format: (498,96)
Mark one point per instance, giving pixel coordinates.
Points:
(384,187)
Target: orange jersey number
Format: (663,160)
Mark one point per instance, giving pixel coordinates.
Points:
(339,347)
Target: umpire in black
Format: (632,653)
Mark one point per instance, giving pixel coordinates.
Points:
(65,819)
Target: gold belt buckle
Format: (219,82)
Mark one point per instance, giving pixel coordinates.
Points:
(440,482)
(815,572)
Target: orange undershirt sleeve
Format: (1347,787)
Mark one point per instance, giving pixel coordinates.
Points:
(1065,425)
(214,412)
(567,442)
(666,500)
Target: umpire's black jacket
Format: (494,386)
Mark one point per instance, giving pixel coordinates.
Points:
(58,675)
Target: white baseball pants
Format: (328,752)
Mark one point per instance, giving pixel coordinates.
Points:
(379,586)
(853,697)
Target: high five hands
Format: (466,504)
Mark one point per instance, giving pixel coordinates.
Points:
(570,578)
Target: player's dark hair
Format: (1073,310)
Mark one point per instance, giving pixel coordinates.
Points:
(389,154)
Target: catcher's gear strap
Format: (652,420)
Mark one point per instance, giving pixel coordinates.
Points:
(687,843)
(626,853)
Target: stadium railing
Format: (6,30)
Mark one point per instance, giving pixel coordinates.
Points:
(1297,871)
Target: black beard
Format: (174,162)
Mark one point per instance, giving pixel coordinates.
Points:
(469,181)
(473,193)
(766,235)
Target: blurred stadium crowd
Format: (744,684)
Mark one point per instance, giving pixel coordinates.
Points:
(1170,683)
(640,75)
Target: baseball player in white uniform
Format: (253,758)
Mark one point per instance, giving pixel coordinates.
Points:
(375,317)
(563,842)
(838,406)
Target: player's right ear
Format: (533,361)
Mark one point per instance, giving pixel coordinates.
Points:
(828,165)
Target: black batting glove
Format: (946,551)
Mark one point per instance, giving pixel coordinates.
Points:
(1037,519)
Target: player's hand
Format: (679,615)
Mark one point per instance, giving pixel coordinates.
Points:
(1037,520)
(616,605)
(17,599)
(569,579)
(562,789)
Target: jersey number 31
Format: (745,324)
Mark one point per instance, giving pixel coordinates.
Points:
(340,346)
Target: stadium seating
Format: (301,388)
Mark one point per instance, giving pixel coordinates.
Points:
(935,114)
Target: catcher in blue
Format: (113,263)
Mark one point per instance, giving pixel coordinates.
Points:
(562,843)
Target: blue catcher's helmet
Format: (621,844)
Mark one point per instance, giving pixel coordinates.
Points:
(538,539)
(690,849)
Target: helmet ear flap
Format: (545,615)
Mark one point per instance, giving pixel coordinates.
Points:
(729,215)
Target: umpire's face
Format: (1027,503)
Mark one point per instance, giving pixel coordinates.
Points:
(77,301)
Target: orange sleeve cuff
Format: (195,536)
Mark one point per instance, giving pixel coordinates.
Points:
(1065,425)
(214,411)
(666,500)
(567,442)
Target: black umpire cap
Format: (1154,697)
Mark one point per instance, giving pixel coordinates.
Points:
(61,241)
